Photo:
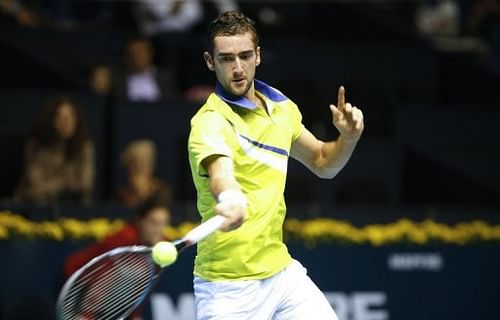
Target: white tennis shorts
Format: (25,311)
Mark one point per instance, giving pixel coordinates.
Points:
(288,295)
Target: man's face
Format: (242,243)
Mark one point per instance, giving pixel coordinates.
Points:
(234,61)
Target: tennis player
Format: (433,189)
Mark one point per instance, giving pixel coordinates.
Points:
(239,146)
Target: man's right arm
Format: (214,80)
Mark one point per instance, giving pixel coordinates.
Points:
(232,203)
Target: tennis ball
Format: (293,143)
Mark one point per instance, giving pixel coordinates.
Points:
(164,253)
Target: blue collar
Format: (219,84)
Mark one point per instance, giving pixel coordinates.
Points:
(240,101)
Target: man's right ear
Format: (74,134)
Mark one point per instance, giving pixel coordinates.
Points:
(209,60)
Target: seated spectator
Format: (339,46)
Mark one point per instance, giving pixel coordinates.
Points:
(147,227)
(139,159)
(439,18)
(143,80)
(174,28)
(59,156)
(158,16)
(155,17)
(100,79)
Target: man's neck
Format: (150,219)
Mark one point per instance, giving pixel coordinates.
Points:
(252,96)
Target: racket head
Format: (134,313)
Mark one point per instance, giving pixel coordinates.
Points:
(110,286)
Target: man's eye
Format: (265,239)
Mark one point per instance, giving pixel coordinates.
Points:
(246,56)
(226,59)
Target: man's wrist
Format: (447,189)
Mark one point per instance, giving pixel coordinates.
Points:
(353,139)
(232,196)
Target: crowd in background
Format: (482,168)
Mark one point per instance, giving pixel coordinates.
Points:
(161,39)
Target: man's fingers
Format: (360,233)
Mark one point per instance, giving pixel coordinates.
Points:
(232,223)
(341,98)
(347,118)
(219,209)
(348,110)
(336,113)
(235,216)
(357,119)
(357,114)
(349,113)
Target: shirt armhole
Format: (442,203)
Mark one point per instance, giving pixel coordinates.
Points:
(201,170)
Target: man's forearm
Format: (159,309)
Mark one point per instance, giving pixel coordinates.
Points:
(221,174)
(220,183)
(232,203)
(335,155)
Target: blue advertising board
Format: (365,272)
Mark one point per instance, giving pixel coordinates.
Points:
(361,282)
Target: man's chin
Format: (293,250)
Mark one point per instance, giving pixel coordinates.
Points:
(239,91)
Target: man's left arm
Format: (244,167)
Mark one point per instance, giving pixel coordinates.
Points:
(326,159)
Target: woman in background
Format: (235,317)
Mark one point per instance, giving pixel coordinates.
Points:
(59,156)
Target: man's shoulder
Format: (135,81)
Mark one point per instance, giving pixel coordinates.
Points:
(212,109)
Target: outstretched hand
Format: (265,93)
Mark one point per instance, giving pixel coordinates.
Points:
(347,119)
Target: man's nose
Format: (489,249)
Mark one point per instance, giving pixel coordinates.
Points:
(238,66)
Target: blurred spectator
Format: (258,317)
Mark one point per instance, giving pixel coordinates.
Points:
(438,18)
(23,15)
(156,17)
(100,79)
(59,156)
(143,80)
(139,158)
(147,227)
(172,26)
(165,16)
(167,24)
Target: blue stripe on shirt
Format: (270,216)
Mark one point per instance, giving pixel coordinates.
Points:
(266,147)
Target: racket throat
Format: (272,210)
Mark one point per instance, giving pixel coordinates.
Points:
(182,244)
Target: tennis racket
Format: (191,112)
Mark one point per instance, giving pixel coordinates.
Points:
(111,286)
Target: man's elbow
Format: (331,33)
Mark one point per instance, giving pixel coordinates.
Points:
(327,173)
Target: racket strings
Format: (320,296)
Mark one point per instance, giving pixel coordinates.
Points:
(113,282)
(110,289)
(133,290)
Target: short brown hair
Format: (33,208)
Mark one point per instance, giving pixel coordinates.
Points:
(231,23)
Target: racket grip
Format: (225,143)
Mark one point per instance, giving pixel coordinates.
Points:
(205,229)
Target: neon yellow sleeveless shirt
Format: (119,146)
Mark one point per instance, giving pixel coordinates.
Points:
(259,145)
